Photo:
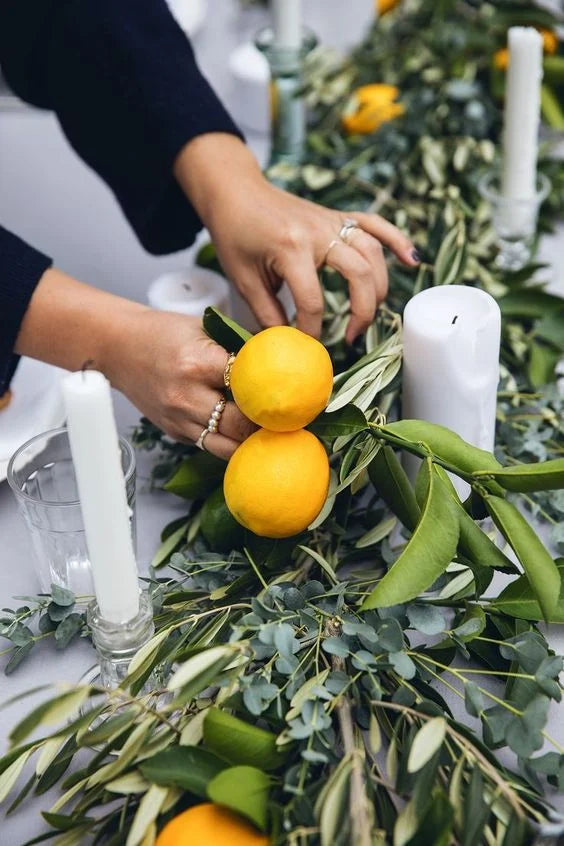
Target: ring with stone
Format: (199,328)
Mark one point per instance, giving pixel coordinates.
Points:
(347,229)
(227,370)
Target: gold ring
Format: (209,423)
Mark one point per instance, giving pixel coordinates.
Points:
(227,370)
(333,243)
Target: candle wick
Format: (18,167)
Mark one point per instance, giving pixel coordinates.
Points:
(187,287)
(454,319)
(88,363)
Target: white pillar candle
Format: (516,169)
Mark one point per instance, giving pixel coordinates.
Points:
(451,337)
(522,113)
(189,292)
(287,23)
(101,487)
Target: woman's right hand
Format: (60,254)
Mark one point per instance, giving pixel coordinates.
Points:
(173,373)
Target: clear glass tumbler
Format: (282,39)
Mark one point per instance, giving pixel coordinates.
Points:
(41,475)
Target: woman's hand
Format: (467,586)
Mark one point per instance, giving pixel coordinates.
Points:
(264,236)
(162,361)
(173,373)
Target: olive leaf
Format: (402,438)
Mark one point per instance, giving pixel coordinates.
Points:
(428,552)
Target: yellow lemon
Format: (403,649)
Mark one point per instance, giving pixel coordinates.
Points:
(210,825)
(384,6)
(549,41)
(282,378)
(369,107)
(276,482)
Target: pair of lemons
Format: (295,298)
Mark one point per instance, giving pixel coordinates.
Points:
(277,480)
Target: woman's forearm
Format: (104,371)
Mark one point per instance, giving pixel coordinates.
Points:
(68,323)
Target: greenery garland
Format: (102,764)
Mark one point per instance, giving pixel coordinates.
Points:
(307,683)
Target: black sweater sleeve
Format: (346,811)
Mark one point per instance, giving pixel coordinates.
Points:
(123,81)
(21,269)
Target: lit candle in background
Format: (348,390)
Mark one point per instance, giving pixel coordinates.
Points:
(287,23)
(451,337)
(101,486)
(189,292)
(522,113)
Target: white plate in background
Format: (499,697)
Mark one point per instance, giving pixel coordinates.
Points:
(35,407)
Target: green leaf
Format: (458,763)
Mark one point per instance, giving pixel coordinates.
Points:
(52,712)
(390,480)
(199,671)
(244,790)
(539,567)
(224,331)
(66,630)
(473,699)
(472,624)
(12,773)
(445,444)
(426,555)
(348,420)
(551,329)
(241,743)
(61,596)
(436,825)
(542,363)
(197,476)
(147,812)
(378,533)
(426,742)
(526,478)
(529,303)
(332,801)
(170,545)
(519,600)
(476,545)
(189,767)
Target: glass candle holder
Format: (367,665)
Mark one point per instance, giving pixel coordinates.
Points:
(514,219)
(287,105)
(117,643)
(41,475)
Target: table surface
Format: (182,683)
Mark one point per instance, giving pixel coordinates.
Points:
(154,508)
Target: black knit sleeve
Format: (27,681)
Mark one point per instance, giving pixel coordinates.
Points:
(123,81)
(21,268)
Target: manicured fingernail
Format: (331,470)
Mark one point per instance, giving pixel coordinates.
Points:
(415,255)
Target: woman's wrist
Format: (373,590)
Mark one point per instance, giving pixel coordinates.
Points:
(203,168)
(68,323)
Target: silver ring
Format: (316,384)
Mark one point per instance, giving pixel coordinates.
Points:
(346,230)
(200,441)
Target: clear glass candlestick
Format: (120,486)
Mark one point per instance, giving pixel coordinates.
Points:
(514,219)
(117,643)
(287,105)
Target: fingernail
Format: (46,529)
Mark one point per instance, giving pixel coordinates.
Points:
(415,255)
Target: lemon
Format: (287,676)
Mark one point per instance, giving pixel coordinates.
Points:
(210,825)
(282,378)
(276,482)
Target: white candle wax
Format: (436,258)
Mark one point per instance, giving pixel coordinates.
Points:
(189,292)
(101,487)
(522,113)
(451,337)
(287,23)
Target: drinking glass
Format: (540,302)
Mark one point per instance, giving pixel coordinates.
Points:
(41,475)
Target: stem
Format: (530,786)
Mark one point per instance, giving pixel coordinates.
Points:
(359,807)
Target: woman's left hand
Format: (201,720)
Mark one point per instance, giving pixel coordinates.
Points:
(265,236)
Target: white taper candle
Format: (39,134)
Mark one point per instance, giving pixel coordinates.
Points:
(522,113)
(101,487)
(451,337)
(287,23)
